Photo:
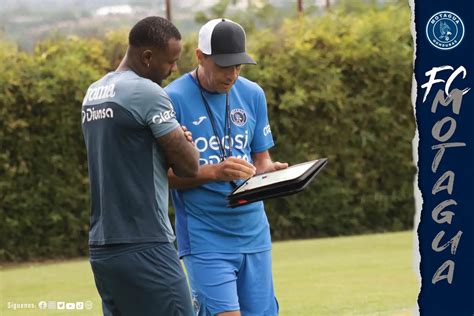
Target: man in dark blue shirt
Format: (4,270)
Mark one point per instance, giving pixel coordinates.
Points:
(132,138)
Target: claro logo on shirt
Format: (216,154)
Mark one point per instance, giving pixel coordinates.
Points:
(267,130)
(163,117)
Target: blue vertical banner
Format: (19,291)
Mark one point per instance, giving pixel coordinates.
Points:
(444,74)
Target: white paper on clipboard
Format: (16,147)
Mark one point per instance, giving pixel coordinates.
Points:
(265,179)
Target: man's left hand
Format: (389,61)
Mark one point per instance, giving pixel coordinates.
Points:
(279,165)
(187,134)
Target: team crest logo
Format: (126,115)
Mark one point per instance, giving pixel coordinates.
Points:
(445,30)
(238,117)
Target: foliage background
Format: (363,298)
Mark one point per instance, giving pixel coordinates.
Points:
(337,86)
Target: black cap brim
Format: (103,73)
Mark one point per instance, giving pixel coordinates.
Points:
(226,60)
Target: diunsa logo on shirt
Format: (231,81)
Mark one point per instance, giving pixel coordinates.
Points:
(91,114)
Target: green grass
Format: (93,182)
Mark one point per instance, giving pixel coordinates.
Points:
(362,275)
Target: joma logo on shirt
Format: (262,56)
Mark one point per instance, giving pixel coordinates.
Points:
(101,92)
(163,117)
(94,115)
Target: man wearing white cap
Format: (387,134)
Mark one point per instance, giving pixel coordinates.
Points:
(227,252)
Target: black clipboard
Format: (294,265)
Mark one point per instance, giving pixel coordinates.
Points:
(276,183)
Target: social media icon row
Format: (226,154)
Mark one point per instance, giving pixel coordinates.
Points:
(65,305)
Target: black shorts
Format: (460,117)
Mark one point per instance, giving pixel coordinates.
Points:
(144,279)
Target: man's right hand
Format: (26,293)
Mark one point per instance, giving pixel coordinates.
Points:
(234,169)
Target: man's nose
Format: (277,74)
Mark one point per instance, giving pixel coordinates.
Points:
(232,72)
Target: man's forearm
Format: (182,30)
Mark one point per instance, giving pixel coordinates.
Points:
(188,163)
(206,173)
(180,154)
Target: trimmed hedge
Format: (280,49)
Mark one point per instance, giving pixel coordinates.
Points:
(337,86)
(44,185)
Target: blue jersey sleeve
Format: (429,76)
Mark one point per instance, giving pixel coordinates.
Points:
(153,108)
(174,97)
(262,139)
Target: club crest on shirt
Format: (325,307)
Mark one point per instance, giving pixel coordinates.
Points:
(238,117)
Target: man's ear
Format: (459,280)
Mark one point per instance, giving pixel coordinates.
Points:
(199,55)
(146,57)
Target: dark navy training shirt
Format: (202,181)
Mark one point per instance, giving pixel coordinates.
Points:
(122,114)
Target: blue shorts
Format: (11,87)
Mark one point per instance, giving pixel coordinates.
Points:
(229,282)
(141,279)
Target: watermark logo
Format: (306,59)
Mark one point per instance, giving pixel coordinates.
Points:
(88,305)
(18,306)
(80,305)
(445,30)
(51,305)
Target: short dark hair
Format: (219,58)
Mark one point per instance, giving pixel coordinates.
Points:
(153,31)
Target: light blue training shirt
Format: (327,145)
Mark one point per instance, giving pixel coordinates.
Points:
(204,223)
